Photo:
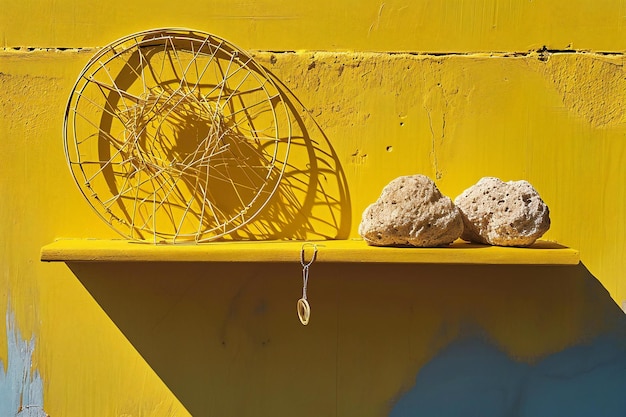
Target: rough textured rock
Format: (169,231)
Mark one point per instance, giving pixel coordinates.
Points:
(411,212)
(503,213)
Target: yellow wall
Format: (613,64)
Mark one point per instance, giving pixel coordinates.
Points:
(277,25)
(474,97)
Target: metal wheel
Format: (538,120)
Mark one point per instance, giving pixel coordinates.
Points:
(176,135)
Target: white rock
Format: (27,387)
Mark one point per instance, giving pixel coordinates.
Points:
(411,212)
(503,214)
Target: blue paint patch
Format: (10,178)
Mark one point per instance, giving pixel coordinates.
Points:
(21,387)
(473,378)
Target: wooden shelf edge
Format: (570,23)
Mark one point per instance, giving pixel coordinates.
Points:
(344,251)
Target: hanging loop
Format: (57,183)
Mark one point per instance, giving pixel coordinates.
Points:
(304,309)
(304,263)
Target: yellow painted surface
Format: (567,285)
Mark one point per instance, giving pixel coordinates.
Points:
(277,25)
(340,251)
(199,339)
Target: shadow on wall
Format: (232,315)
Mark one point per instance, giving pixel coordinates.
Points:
(312,201)
(226,339)
(474,378)
(181,137)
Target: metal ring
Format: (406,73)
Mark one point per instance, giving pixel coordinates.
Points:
(304,311)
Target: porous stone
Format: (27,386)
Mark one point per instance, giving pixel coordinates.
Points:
(411,212)
(503,213)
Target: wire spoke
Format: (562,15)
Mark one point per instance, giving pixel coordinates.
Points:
(174,135)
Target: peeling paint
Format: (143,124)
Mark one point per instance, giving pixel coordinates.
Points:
(21,386)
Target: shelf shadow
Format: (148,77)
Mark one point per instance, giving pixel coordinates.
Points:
(226,340)
(312,200)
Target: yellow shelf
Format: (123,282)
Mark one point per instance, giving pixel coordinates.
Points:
(354,251)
